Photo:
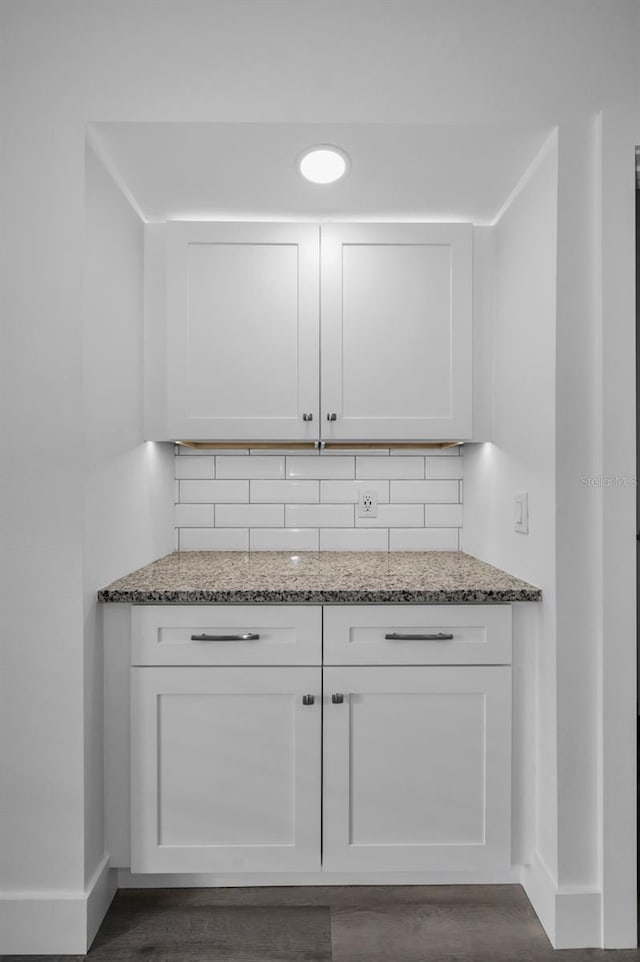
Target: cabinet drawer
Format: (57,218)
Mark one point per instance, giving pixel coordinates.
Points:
(417,635)
(226,635)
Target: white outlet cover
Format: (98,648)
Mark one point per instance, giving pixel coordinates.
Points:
(367,503)
(521,512)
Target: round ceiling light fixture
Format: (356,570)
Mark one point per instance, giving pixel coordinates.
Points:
(323,164)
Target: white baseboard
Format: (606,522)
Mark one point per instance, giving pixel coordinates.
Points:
(99,896)
(56,923)
(571,916)
(65,923)
(541,892)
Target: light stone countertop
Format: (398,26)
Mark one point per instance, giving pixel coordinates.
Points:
(328,577)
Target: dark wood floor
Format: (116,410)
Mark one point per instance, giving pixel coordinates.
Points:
(347,924)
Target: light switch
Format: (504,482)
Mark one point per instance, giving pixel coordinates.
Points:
(521,512)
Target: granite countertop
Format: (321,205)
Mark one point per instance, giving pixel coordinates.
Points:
(331,577)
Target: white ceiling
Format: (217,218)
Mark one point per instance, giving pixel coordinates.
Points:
(244,171)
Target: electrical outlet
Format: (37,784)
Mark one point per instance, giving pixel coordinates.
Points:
(367,503)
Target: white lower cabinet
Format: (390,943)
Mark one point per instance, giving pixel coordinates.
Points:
(344,768)
(225,770)
(417,769)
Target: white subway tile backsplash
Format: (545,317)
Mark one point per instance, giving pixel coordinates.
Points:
(354,539)
(212,491)
(423,539)
(283,539)
(301,467)
(194,515)
(285,491)
(429,492)
(214,539)
(235,501)
(346,492)
(319,516)
(395,516)
(194,468)
(389,467)
(255,466)
(249,515)
(444,467)
(443,515)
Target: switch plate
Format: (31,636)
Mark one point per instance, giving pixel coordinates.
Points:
(521,512)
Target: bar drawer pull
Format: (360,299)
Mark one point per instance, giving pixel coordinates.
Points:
(399,636)
(249,636)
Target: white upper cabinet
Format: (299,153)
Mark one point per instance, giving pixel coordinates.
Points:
(242,334)
(396,331)
(299,332)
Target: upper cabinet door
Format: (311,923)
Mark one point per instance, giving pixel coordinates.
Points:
(242,331)
(396,331)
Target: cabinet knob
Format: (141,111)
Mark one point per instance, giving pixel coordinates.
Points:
(337,698)
(307,417)
(308,699)
(332,417)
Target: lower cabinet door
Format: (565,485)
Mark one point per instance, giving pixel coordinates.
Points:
(225,769)
(417,768)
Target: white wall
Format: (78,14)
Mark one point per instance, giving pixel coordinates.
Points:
(615,552)
(586,628)
(64,64)
(523,457)
(128,484)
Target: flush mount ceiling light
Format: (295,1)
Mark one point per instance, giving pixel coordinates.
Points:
(323,164)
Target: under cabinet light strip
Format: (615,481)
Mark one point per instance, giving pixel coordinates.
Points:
(326,445)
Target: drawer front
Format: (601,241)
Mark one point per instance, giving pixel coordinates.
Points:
(226,635)
(417,635)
